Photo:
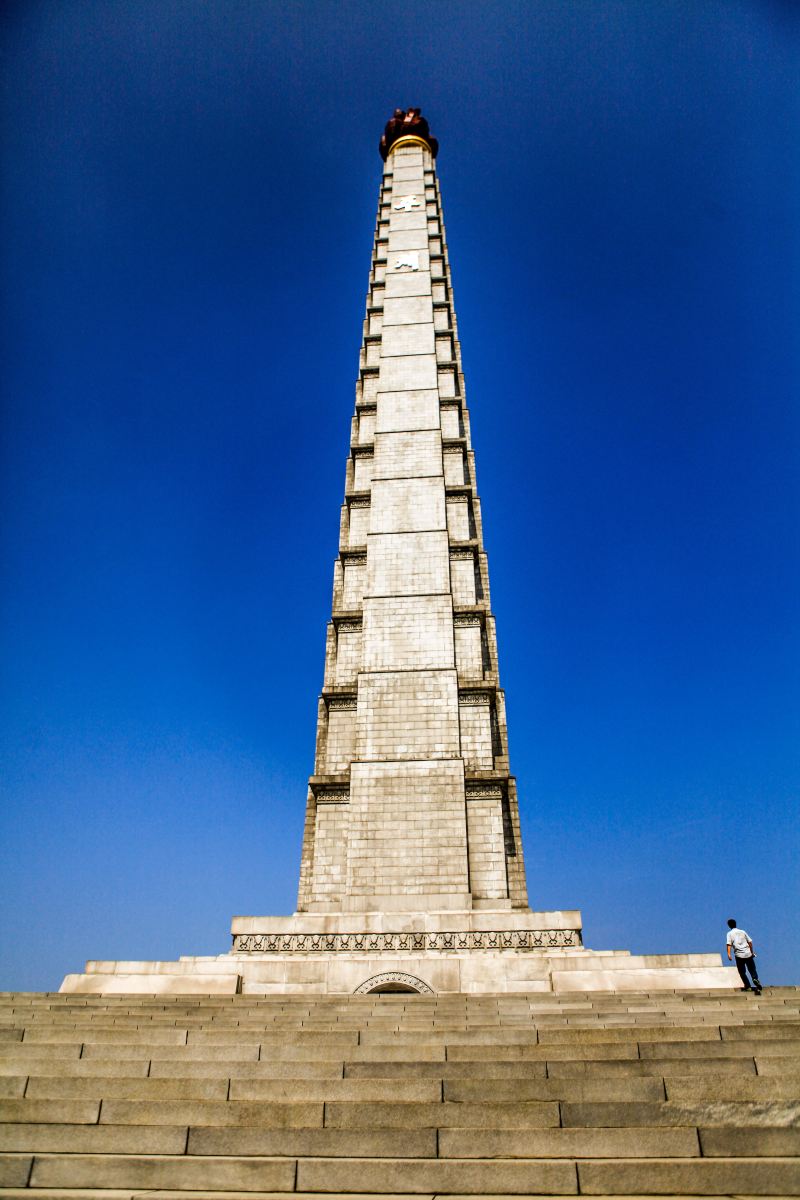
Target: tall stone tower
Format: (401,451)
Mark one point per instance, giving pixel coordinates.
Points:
(411,804)
(412,875)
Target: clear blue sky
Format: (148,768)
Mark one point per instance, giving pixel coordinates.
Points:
(187,212)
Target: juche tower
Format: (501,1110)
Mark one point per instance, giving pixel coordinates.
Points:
(411,805)
(412,874)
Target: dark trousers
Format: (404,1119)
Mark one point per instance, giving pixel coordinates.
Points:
(743,965)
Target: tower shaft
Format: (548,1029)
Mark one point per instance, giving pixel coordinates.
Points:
(411,805)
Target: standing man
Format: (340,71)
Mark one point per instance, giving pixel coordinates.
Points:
(743,955)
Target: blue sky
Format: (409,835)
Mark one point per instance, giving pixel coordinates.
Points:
(187,210)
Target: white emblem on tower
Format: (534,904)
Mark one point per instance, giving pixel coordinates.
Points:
(406,203)
(410,259)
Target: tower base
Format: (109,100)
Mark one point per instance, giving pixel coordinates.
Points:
(476,951)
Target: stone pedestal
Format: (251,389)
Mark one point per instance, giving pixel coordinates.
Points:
(425,952)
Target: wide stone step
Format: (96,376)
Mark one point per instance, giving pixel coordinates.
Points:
(629,1177)
(722,1112)
(313,1143)
(569,1143)
(372,1090)
(738,1065)
(265,1114)
(554,1068)
(739,1177)
(380,1176)
(166,1139)
(731,1087)
(531,1115)
(515,1090)
(740,1049)
(93,1139)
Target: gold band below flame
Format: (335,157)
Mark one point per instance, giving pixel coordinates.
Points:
(409,139)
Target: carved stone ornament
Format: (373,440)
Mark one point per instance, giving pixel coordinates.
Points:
(360,502)
(407,122)
(483,791)
(350,626)
(333,796)
(407,203)
(378,981)
(462,554)
(409,258)
(382,943)
(466,620)
(474,698)
(340,702)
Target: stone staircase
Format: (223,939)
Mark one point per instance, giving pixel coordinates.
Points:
(605,1094)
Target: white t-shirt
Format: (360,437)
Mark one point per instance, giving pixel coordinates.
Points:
(739,940)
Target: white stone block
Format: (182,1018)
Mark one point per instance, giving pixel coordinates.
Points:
(410,310)
(407,564)
(462,574)
(348,655)
(458,519)
(407,410)
(407,715)
(355,574)
(408,633)
(413,186)
(341,740)
(407,239)
(408,283)
(362,472)
(427,797)
(407,339)
(408,372)
(451,426)
(476,737)
(359,527)
(408,455)
(407,506)
(469,652)
(408,220)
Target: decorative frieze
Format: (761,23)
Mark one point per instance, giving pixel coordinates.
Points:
(341,702)
(332,796)
(474,698)
(466,620)
(350,626)
(379,943)
(359,501)
(461,554)
(483,791)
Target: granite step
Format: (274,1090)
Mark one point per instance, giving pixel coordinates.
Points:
(560,1177)
(681,1094)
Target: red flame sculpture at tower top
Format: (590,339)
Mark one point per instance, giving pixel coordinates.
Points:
(402,123)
